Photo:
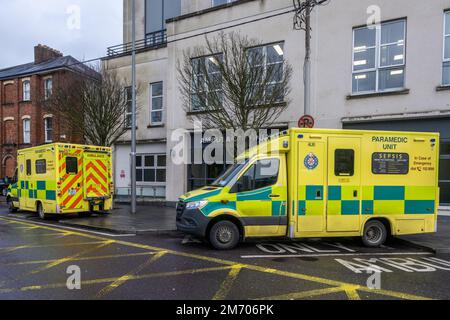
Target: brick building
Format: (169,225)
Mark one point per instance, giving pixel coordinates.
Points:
(24,120)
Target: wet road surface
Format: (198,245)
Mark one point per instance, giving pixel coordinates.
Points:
(42,260)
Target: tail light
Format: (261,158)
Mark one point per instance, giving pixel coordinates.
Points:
(58,188)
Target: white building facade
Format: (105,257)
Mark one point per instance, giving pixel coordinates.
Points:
(393,76)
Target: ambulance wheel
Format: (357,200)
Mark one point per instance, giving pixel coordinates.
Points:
(375,234)
(224,235)
(12,208)
(41,213)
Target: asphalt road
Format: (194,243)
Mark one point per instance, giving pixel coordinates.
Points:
(40,261)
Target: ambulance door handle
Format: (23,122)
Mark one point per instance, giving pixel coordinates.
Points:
(355,194)
(274,196)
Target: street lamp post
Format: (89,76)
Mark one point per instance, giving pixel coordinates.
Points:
(133,109)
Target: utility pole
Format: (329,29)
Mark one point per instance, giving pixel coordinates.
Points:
(133,111)
(302,21)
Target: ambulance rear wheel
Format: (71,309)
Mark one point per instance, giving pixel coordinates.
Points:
(375,234)
(40,211)
(224,235)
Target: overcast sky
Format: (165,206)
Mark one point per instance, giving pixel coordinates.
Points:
(81,28)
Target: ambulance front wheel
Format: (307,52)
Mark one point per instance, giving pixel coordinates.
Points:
(12,208)
(375,234)
(224,235)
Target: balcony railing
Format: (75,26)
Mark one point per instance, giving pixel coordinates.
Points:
(152,41)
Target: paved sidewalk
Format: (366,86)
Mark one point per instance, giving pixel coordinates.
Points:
(438,242)
(148,219)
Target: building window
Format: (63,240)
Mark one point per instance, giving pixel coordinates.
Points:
(156,103)
(268,61)
(129,111)
(26,131)
(151,168)
(446,68)
(48,126)
(206,82)
(26,90)
(48,88)
(221,2)
(379,56)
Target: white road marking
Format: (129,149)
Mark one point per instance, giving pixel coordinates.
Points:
(57,226)
(337,255)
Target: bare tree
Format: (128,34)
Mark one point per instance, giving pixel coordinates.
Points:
(94,107)
(234,83)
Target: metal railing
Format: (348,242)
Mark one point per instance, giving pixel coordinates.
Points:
(143,193)
(152,41)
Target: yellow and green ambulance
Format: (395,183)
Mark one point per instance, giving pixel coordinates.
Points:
(62,179)
(321,183)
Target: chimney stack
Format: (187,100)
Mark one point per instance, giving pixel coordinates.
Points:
(44,53)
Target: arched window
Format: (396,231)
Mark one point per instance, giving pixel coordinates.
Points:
(26,131)
(26,90)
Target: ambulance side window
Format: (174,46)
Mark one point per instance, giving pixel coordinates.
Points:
(28,164)
(264,173)
(344,162)
(41,166)
(71,165)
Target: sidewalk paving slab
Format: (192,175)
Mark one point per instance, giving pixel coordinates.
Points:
(148,219)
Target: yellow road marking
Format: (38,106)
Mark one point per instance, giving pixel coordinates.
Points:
(106,290)
(27,228)
(352,292)
(109,280)
(70,258)
(248,266)
(113,256)
(227,284)
(305,294)
(11,249)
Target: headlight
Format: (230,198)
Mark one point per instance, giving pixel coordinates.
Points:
(196,204)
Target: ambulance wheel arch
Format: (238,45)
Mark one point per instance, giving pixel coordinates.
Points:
(381,225)
(225,218)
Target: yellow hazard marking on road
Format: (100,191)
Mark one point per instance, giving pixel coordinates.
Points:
(11,249)
(304,294)
(70,258)
(226,286)
(106,290)
(111,280)
(230,264)
(112,256)
(352,292)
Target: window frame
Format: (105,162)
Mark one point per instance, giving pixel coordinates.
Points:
(26,93)
(250,166)
(206,90)
(155,167)
(446,37)
(152,110)
(28,167)
(267,64)
(67,166)
(377,68)
(36,166)
(47,130)
(26,133)
(216,5)
(352,173)
(48,89)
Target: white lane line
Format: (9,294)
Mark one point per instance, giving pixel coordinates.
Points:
(72,229)
(338,255)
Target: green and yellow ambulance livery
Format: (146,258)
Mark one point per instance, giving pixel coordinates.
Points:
(321,183)
(62,179)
